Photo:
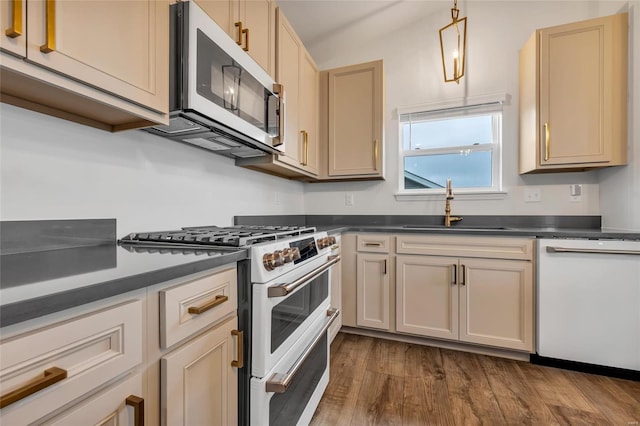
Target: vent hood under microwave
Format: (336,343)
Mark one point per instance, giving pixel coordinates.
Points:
(220,98)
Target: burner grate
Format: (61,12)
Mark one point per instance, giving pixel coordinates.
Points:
(234,236)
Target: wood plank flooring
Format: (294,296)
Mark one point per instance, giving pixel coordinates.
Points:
(381,382)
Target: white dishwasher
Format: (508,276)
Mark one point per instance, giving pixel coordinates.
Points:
(589,301)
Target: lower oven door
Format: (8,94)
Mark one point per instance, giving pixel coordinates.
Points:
(291,392)
(283,313)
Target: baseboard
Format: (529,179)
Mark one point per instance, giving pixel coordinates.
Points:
(425,341)
(602,370)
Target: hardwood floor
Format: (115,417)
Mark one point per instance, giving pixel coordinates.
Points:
(381,382)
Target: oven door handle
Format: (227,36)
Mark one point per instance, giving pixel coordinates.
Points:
(279,382)
(284,289)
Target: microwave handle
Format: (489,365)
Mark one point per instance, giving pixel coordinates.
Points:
(279,382)
(278,89)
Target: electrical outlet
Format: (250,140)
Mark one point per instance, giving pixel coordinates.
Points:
(575,193)
(532,195)
(348,199)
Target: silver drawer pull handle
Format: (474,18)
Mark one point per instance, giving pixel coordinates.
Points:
(591,251)
(278,382)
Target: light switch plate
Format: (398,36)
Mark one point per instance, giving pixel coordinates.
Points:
(348,199)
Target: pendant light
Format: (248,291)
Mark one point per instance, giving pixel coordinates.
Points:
(453,46)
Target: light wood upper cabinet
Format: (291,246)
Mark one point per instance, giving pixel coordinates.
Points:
(309,87)
(101,63)
(298,74)
(573,96)
(13,18)
(251,23)
(355,121)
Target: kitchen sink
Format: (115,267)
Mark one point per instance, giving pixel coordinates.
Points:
(454,228)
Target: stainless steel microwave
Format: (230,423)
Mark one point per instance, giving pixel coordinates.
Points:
(220,98)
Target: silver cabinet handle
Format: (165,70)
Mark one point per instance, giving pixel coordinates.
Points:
(284,289)
(591,251)
(279,382)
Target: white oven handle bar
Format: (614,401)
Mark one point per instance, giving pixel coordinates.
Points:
(279,382)
(593,251)
(284,289)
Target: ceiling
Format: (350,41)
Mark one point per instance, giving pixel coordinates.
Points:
(315,20)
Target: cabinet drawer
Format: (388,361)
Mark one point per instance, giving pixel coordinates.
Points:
(93,349)
(190,307)
(374,243)
(109,407)
(459,246)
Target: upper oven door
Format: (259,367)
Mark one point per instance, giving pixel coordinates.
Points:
(226,85)
(283,311)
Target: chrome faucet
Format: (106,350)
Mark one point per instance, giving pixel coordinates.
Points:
(447,207)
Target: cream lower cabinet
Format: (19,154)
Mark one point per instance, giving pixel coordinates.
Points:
(336,289)
(199,383)
(119,405)
(92,357)
(374,282)
(481,300)
(484,301)
(373,290)
(194,353)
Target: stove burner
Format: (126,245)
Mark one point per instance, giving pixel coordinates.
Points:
(235,236)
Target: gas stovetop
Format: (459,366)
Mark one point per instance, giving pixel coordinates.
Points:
(202,236)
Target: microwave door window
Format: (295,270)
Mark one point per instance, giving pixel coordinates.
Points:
(224,82)
(209,73)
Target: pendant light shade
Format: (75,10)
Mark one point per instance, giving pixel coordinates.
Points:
(453,46)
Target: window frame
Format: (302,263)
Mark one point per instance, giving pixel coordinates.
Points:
(486,105)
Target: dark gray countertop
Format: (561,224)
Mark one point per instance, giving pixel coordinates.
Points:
(38,283)
(51,265)
(508,232)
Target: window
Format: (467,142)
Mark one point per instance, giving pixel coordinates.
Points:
(460,143)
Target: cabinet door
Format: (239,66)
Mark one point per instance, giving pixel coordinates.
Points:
(373,293)
(356,120)
(14,29)
(120,404)
(309,87)
(496,303)
(119,47)
(427,296)
(258,17)
(336,293)
(288,74)
(574,79)
(224,13)
(198,384)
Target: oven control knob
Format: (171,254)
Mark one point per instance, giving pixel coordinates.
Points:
(291,254)
(273,260)
(323,242)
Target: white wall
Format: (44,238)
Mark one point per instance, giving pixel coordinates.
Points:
(620,186)
(54,169)
(413,75)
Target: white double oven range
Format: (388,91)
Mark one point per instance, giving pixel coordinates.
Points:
(284,309)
